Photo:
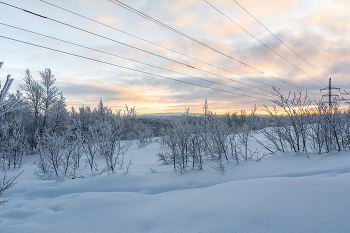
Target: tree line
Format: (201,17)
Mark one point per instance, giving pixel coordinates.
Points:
(35,119)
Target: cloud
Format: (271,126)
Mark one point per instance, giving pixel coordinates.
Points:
(341,67)
(109,19)
(317,30)
(332,17)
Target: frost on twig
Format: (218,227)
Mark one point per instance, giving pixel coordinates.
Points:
(8,104)
(128,166)
(220,166)
(6,183)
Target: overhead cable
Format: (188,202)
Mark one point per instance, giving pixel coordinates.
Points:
(261,42)
(143,63)
(123,67)
(279,39)
(158,45)
(125,6)
(133,47)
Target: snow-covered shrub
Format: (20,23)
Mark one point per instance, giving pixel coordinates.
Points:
(109,141)
(218,134)
(162,137)
(219,166)
(144,135)
(164,158)
(196,144)
(319,126)
(13,143)
(90,147)
(193,139)
(72,152)
(50,146)
(108,138)
(172,142)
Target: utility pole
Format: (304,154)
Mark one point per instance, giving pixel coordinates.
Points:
(329,88)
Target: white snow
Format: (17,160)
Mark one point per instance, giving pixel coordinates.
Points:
(282,193)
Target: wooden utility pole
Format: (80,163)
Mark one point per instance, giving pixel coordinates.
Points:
(329,88)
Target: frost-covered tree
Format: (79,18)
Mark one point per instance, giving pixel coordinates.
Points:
(46,104)
(59,115)
(218,138)
(144,135)
(49,94)
(306,125)
(13,145)
(90,146)
(196,144)
(50,147)
(112,135)
(33,93)
(72,151)
(8,104)
(195,139)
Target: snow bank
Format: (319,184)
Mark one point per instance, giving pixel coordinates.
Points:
(282,193)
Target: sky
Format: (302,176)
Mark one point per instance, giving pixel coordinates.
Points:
(316,30)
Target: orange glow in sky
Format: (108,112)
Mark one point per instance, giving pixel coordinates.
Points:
(318,31)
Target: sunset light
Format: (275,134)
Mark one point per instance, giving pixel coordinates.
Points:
(315,36)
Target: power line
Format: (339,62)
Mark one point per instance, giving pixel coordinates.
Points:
(196,41)
(130,46)
(111,54)
(156,44)
(262,42)
(111,64)
(154,54)
(120,42)
(279,39)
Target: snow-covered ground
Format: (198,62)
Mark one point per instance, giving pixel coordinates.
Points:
(282,193)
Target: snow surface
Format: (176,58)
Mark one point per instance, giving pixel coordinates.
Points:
(282,193)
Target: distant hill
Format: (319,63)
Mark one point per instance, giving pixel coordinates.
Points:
(167,114)
(175,114)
